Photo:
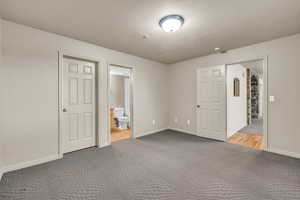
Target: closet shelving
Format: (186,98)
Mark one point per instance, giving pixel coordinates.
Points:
(254,96)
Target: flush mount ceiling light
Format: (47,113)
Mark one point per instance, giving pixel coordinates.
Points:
(217,49)
(171,23)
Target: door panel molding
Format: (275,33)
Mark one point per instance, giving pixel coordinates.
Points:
(78,91)
(98,98)
(211,102)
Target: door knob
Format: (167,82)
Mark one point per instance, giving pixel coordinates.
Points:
(198,106)
(64,110)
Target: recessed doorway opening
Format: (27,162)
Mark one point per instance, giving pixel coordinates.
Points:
(120,103)
(246,89)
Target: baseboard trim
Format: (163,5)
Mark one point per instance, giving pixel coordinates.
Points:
(26,164)
(151,132)
(285,153)
(103,145)
(183,131)
(1,174)
(60,156)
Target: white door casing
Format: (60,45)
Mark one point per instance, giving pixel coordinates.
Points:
(211,102)
(78,103)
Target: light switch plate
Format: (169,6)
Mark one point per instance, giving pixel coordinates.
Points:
(272,98)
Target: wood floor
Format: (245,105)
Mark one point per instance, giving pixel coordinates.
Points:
(249,140)
(119,134)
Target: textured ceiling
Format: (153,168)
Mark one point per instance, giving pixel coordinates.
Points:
(121,24)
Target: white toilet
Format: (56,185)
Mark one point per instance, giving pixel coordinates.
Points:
(123,121)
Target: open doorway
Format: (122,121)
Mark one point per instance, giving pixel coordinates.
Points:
(245,104)
(120,105)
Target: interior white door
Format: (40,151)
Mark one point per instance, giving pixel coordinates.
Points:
(211,102)
(78,102)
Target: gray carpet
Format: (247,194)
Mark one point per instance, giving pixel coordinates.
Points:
(163,166)
(256,127)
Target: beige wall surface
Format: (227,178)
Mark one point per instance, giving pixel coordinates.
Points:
(1,82)
(117,91)
(283,83)
(29,99)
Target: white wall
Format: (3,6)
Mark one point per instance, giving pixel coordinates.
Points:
(283,80)
(236,106)
(29,99)
(117,91)
(127,96)
(1,82)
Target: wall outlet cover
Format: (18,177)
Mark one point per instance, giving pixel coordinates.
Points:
(175,119)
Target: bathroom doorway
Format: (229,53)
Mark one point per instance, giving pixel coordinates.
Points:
(246,107)
(120,102)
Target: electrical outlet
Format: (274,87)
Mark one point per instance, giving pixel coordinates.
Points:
(188,122)
(175,119)
(153,122)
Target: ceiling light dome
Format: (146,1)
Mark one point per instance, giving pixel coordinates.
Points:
(171,23)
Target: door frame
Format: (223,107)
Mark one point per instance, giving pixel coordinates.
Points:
(265,97)
(132,132)
(98,72)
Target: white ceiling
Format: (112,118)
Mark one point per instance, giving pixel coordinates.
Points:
(121,24)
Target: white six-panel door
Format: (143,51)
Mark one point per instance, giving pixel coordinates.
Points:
(211,102)
(78,118)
